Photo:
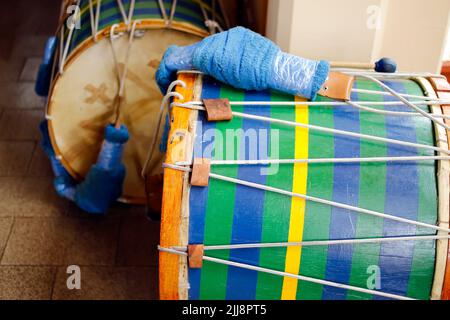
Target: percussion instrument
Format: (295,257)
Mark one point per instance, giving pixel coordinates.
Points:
(268,196)
(88,63)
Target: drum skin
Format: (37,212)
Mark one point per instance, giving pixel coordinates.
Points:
(226,213)
(81,101)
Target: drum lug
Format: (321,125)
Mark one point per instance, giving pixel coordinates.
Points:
(200,172)
(338,86)
(195,256)
(218,109)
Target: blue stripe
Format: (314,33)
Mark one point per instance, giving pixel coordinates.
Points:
(249,204)
(345,190)
(199,196)
(402,199)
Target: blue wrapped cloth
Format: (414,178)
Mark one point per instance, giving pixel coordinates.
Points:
(104,182)
(245,60)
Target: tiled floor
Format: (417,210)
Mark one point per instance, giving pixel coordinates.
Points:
(40,234)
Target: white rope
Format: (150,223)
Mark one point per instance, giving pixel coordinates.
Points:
(289,275)
(94,18)
(130,14)
(384,93)
(322,103)
(382,75)
(408,103)
(321,243)
(356,104)
(395,113)
(312,199)
(328,202)
(341,132)
(164,103)
(176,167)
(122,75)
(321,160)
(172,12)
(163,12)
(65,47)
(122,11)
(211,24)
(322,129)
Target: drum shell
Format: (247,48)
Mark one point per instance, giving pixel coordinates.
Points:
(225,213)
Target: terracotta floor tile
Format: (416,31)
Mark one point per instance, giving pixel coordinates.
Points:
(94,242)
(30,197)
(9,188)
(109,283)
(38,241)
(10,69)
(30,283)
(30,69)
(62,241)
(127,210)
(20,124)
(15,157)
(26,45)
(40,164)
(5,229)
(20,95)
(138,242)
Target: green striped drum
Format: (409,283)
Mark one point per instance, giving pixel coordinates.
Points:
(359,229)
(81,101)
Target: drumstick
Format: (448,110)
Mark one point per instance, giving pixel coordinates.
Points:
(384,65)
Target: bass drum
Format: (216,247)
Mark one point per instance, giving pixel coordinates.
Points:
(85,85)
(306,200)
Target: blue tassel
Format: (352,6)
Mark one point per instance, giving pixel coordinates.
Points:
(104,182)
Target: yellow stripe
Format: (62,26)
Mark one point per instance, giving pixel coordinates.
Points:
(293,254)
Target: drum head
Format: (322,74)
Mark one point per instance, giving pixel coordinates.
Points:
(82,104)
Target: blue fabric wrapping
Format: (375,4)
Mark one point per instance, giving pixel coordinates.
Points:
(63,183)
(245,60)
(238,57)
(101,188)
(175,58)
(104,182)
(298,76)
(111,154)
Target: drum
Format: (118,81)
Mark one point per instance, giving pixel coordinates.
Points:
(306,200)
(88,65)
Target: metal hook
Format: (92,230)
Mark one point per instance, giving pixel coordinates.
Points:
(112,33)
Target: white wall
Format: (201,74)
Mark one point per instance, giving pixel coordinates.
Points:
(413,32)
(447,47)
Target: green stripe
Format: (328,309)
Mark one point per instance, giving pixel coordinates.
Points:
(424,251)
(277,207)
(372,191)
(218,223)
(317,217)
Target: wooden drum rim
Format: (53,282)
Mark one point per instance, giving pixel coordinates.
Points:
(441,286)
